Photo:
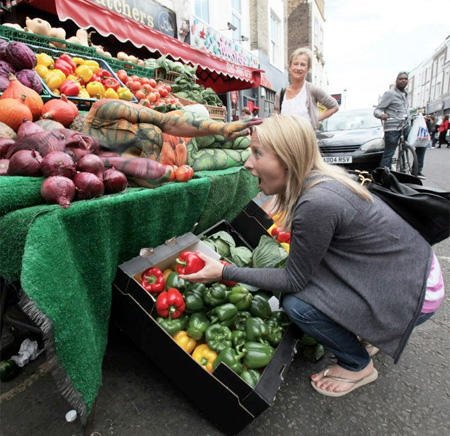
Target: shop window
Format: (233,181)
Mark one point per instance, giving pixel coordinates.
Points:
(202,10)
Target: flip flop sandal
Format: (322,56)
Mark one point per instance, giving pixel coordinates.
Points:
(356,383)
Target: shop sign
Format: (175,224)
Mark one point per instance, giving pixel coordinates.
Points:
(265,82)
(144,12)
(207,39)
(338,98)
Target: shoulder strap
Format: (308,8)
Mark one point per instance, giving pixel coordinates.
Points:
(282,92)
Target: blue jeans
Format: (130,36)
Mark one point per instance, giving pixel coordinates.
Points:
(420,153)
(341,342)
(391,139)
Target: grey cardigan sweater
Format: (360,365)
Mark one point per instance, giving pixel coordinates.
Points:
(314,95)
(394,103)
(357,262)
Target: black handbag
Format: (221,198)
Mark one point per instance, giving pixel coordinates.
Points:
(426,209)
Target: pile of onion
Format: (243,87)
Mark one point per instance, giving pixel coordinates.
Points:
(25,163)
(114,181)
(58,189)
(58,163)
(88,186)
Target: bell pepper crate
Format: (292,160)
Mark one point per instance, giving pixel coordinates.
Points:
(83,102)
(219,394)
(129,67)
(12,34)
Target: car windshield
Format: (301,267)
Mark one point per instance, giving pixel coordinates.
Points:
(351,120)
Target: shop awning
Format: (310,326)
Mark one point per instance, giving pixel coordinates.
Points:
(214,72)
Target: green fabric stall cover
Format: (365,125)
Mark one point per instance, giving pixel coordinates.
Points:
(19,192)
(230,192)
(69,263)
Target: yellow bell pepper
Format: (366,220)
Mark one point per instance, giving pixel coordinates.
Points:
(84,72)
(78,61)
(53,80)
(41,69)
(95,89)
(93,65)
(184,341)
(73,77)
(286,246)
(204,356)
(110,93)
(83,93)
(124,93)
(59,73)
(44,59)
(56,92)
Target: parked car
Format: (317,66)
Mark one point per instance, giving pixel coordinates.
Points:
(352,138)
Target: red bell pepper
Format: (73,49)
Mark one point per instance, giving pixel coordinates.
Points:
(69,88)
(189,263)
(153,280)
(280,235)
(170,303)
(104,74)
(228,283)
(110,82)
(68,59)
(63,66)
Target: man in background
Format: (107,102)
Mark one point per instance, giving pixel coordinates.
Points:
(392,110)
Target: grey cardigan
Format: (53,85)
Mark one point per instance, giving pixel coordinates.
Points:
(394,103)
(356,261)
(314,95)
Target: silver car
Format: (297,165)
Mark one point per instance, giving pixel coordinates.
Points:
(352,138)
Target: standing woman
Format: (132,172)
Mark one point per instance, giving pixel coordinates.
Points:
(301,97)
(443,128)
(349,272)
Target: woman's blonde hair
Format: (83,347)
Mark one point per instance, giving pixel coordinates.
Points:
(302,51)
(293,140)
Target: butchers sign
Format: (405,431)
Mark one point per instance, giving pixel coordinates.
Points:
(144,12)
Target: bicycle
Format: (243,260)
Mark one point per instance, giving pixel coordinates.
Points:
(405,159)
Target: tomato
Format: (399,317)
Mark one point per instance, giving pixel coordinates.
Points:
(173,173)
(145,80)
(168,87)
(136,78)
(122,75)
(139,95)
(152,82)
(184,173)
(134,85)
(151,97)
(157,94)
(147,88)
(144,102)
(163,92)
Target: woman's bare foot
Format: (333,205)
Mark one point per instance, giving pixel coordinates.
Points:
(329,384)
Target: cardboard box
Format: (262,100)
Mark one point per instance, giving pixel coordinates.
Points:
(223,396)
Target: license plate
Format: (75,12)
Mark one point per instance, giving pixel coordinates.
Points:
(338,159)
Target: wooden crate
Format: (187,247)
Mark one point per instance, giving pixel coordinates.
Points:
(215,112)
(162,76)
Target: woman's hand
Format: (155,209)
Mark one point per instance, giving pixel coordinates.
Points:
(211,272)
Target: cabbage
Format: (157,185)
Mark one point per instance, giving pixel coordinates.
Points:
(269,253)
(223,242)
(241,256)
(197,109)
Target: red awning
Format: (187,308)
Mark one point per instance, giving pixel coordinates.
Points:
(219,74)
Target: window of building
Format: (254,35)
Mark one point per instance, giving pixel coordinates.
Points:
(202,10)
(236,19)
(321,39)
(275,49)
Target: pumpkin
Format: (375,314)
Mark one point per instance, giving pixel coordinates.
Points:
(13,111)
(16,90)
(49,124)
(59,110)
(7,132)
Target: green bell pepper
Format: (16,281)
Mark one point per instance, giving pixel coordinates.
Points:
(193,297)
(238,338)
(231,358)
(224,314)
(239,322)
(256,329)
(173,281)
(197,325)
(215,295)
(251,377)
(281,317)
(276,332)
(260,307)
(172,326)
(240,297)
(257,355)
(218,337)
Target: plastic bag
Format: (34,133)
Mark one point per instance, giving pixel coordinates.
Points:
(419,135)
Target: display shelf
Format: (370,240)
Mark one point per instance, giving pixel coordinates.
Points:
(129,67)
(215,112)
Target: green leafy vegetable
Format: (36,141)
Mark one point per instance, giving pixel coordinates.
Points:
(269,253)
(241,256)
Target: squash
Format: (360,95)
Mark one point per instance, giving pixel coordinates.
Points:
(60,33)
(16,90)
(14,26)
(38,26)
(59,110)
(13,111)
(82,35)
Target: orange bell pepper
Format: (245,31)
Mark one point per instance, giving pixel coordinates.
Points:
(204,356)
(184,341)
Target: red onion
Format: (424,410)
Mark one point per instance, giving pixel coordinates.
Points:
(28,128)
(58,189)
(5,143)
(25,163)
(91,163)
(58,163)
(44,142)
(4,164)
(114,181)
(88,186)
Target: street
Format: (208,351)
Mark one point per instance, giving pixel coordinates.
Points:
(136,398)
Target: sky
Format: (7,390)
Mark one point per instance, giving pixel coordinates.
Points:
(367,42)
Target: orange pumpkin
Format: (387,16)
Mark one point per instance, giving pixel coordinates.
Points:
(13,111)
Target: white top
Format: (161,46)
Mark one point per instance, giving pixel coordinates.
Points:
(296,105)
